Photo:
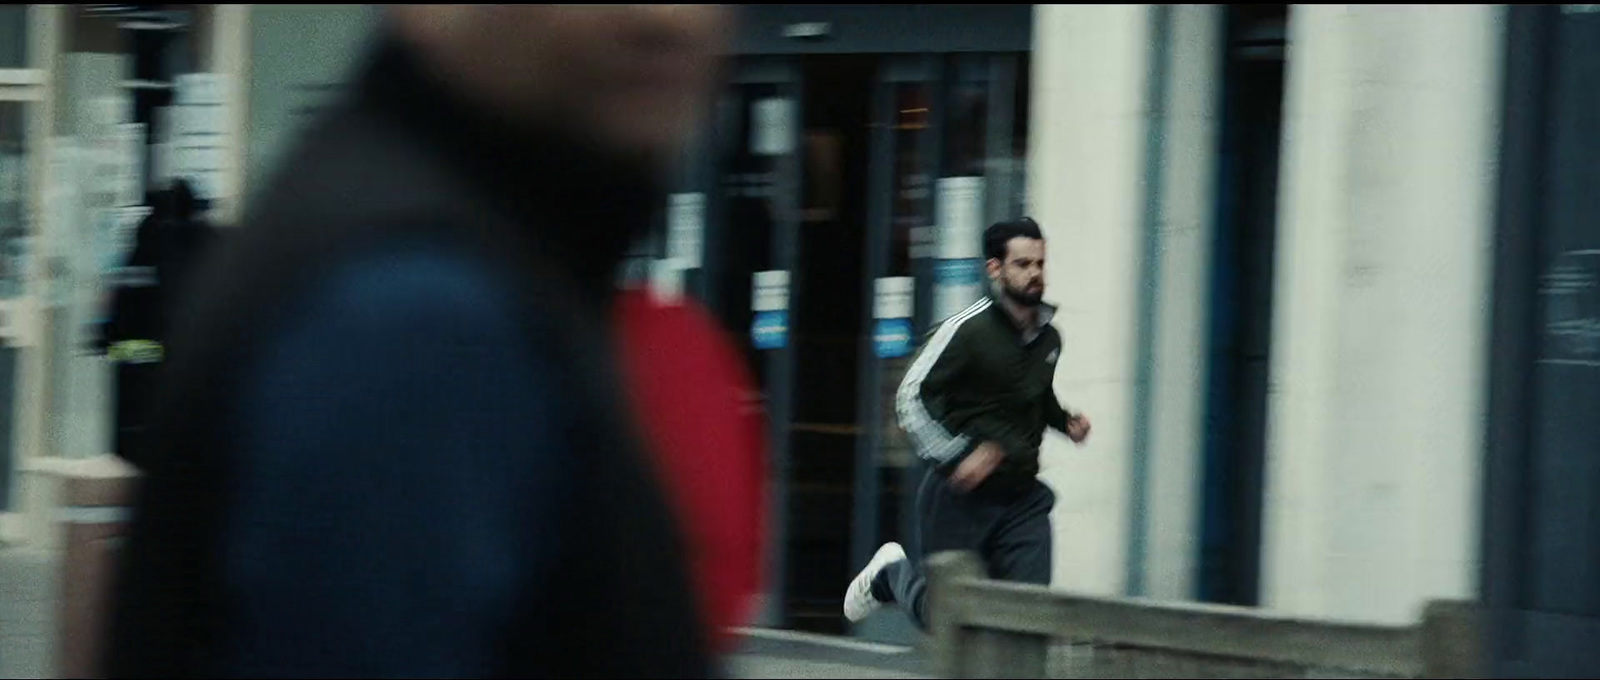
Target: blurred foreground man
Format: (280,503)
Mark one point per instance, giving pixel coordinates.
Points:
(394,443)
(975,404)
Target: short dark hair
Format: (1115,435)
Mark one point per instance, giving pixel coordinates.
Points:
(999,235)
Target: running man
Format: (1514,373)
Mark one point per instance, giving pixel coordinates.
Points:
(975,404)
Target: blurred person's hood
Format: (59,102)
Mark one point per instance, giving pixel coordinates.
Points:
(588,209)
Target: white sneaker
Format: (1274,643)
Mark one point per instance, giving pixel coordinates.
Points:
(858,600)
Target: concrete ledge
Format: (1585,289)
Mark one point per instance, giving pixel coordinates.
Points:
(81,505)
(99,481)
(986,628)
(51,484)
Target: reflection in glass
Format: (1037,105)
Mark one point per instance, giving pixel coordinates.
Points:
(967,120)
(961,206)
(13,230)
(754,136)
(13,197)
(912,185)
(14,36)
(909,227)
(1019,136)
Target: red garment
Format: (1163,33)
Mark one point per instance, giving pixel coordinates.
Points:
(694,398)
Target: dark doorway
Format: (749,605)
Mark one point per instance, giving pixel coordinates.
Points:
(1241,303)
(1541,543)
(827,326)
(826,167)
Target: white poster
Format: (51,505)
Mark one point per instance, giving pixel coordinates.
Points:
(201,88)
(771,293)
(894,297)
(959,276)
(199,132)
(950,298)
(960,217)
(769,328)
(686,224)
(108,112)
(772,131)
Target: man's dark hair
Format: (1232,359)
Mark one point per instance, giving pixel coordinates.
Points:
(999,234)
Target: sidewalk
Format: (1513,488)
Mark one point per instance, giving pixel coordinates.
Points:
(766,653)
(27,629)
(27,613)
(756,666)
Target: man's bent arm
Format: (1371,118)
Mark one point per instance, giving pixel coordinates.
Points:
(936,370)
(400,469)
(1054,415)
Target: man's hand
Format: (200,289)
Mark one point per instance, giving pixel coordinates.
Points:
(977,466)
(1078,428)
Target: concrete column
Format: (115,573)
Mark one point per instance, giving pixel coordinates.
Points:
(34,391)
(1086,170)
(226,50)
(1179,314)
(1378,368)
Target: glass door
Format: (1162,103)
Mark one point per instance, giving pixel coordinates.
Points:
(949,137)
(980,173)
(751,223)
(904,146)
(834,228)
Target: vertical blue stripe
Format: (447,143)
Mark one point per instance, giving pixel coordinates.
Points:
(1149,280)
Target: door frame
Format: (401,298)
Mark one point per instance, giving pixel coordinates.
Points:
(782,72)
(939,72)
(1528,60)
(783,68)
(1521,642)
(884,159)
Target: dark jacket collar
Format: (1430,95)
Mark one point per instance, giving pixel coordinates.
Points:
(584,209)
(1047,313)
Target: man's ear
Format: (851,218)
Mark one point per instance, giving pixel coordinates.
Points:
(993,265)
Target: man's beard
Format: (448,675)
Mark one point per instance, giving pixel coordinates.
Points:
(1023,297)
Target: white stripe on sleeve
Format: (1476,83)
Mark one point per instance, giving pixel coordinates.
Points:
(930,439)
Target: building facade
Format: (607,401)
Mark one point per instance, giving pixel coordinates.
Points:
(1272,232)
(1372,400)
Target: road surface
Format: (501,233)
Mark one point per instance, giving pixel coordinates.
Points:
(27,620)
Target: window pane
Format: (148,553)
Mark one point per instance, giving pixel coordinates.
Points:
(909,216)
(960,195)
(13,229)
(966,117)
(14,36)
(13,196)
(1019,137)
(757,122)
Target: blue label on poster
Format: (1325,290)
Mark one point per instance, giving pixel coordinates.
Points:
(963,272)
(892,338)
(770,330)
